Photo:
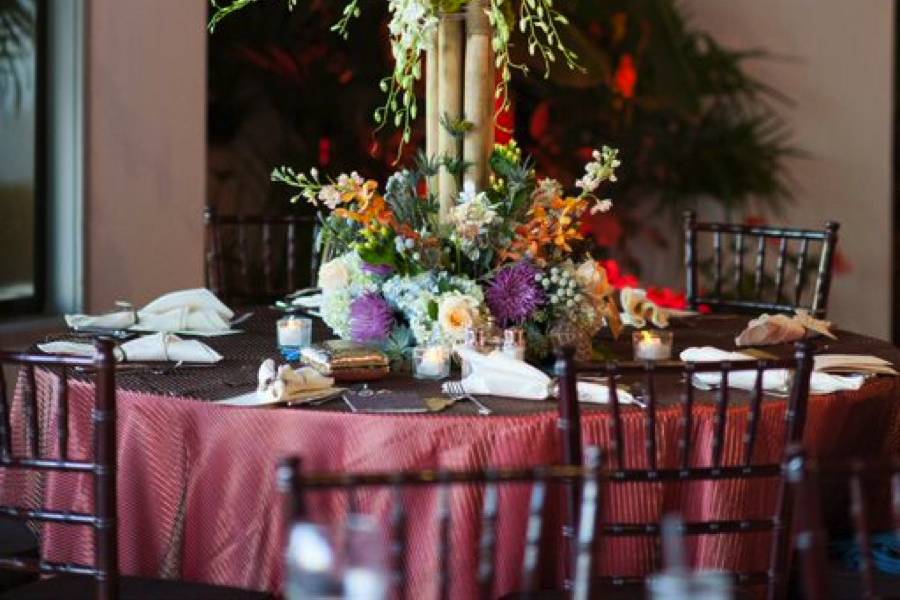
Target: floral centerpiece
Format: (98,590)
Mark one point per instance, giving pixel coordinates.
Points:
(403,275)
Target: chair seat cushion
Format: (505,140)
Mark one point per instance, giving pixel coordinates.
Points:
(16,540)
(76,587)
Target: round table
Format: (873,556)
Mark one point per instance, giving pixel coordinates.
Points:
(196,489)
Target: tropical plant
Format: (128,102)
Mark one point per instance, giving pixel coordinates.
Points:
(17,29)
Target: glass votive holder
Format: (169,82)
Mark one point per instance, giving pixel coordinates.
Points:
(294,332)
(700,585)
(514,343)
(431,362)
(652,344)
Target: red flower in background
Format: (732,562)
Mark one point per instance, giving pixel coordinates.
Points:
(667,298)
(540,120)
(625,78)
(324,151)
(505,122)
(614,273)
(841,263)
(606,229)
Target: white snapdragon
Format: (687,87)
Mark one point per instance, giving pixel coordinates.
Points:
(601,168)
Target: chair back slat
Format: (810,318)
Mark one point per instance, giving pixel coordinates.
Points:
(650,400)
(863,539)
(721,420)
(268,257)
(687,416)
(801,271)
(737,294)
(62,414)
(587,527)
(618,433)
(104,418)
(398,536)
(569,425)
(243,257)
(811,539)
(717,250)
(213,267)
(534,534)
(779,269)
(753,418)
(103,518)
(5,429)
(895,502)
(488,543)
(690,256)
(29,400)
(826,262)
(443,541)
(759,271)
(291,258)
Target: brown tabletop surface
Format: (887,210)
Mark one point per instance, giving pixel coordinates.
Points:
(243,352)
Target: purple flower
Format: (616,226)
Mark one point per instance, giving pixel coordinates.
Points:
(377,270)
(515,294)
(371,318)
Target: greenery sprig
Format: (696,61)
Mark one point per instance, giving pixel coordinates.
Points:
(412,27)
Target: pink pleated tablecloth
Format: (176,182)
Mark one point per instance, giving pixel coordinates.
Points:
(197,497)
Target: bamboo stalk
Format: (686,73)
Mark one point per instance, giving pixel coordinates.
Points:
(479,96)
(432,114)
(450,67)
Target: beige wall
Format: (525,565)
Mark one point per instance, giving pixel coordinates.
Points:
(837,66)
(146,148)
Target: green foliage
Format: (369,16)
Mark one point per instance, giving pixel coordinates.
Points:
(692,125)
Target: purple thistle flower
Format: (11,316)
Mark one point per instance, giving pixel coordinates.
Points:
(515,294)
(371,318)
(377,270)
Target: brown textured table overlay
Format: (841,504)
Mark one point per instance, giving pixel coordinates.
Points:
(243,352)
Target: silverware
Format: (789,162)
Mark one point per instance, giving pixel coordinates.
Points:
(457,391)
(240,319)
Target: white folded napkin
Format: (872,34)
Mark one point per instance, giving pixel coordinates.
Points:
(497,374)
(286,384)
(774,380)
(187,311)
(149,348)
(115,320)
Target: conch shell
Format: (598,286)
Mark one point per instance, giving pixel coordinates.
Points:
(767,330)
(637,309)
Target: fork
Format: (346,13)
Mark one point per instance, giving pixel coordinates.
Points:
(456,391)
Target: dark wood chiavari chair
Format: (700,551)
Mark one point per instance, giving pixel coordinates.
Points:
(101,580)
(254,259)
(297,487)
(619,472)
(822,579)
(755,296)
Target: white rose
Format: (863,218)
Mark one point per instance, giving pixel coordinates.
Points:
(334,275)
(456,313)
